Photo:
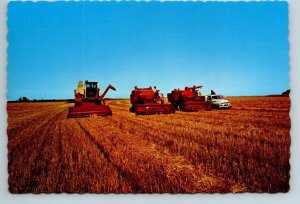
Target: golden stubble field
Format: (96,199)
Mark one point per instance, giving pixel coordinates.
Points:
(245,149)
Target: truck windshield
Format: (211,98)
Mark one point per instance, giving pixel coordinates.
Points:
(218,97)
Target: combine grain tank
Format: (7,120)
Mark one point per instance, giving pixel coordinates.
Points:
(88,101)
(147,101)
(189,99)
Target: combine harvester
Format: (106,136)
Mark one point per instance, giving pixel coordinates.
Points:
(189,99)
(88,101)
(147,101)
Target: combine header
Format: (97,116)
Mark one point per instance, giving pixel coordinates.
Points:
(189,99)
(147,101)
(88,101)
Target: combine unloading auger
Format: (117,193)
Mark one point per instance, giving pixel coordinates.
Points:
(88,101)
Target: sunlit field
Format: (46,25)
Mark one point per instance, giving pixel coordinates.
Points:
(244,149)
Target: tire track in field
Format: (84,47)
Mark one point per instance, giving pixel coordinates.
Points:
(147,123)
(228,119)
(130,178)
(23,168)
(146,133)
(31,137)
(210,127)
(175,173)
(143,183)
(176,125)
(84,169)
(20,145)
(30,109)
(172,142)
(41,169)
(59,159)
(231,117)
(147,128)
(27,127)
(18,124)
(99,169)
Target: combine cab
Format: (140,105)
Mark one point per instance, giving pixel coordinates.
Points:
(189,99)
(88,101)
(147,101)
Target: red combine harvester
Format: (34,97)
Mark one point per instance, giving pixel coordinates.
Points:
(88,101)
(188,99)
(147,101)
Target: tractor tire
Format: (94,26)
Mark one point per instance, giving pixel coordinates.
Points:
(209,107)
(132,109)
(179,107)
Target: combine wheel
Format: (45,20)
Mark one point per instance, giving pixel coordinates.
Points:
(209,107)
(132,109)
(179,107)
(172,110)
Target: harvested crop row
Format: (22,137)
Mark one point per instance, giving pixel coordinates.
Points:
(248,153)
(29,161)
(82,168)
(153,169)
(215,151)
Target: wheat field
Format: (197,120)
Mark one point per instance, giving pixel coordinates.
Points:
(245,149)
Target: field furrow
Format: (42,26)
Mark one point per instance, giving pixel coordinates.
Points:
(33,155)
(216,145)
(243,149)
(142,160)
(124,174)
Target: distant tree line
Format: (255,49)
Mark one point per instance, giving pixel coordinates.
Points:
(26,99)
(286,93)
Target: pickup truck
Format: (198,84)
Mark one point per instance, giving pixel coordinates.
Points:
(218,102)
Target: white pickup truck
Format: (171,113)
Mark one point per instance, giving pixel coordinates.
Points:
(218,102)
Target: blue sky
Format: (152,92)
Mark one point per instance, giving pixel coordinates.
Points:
(233,48)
